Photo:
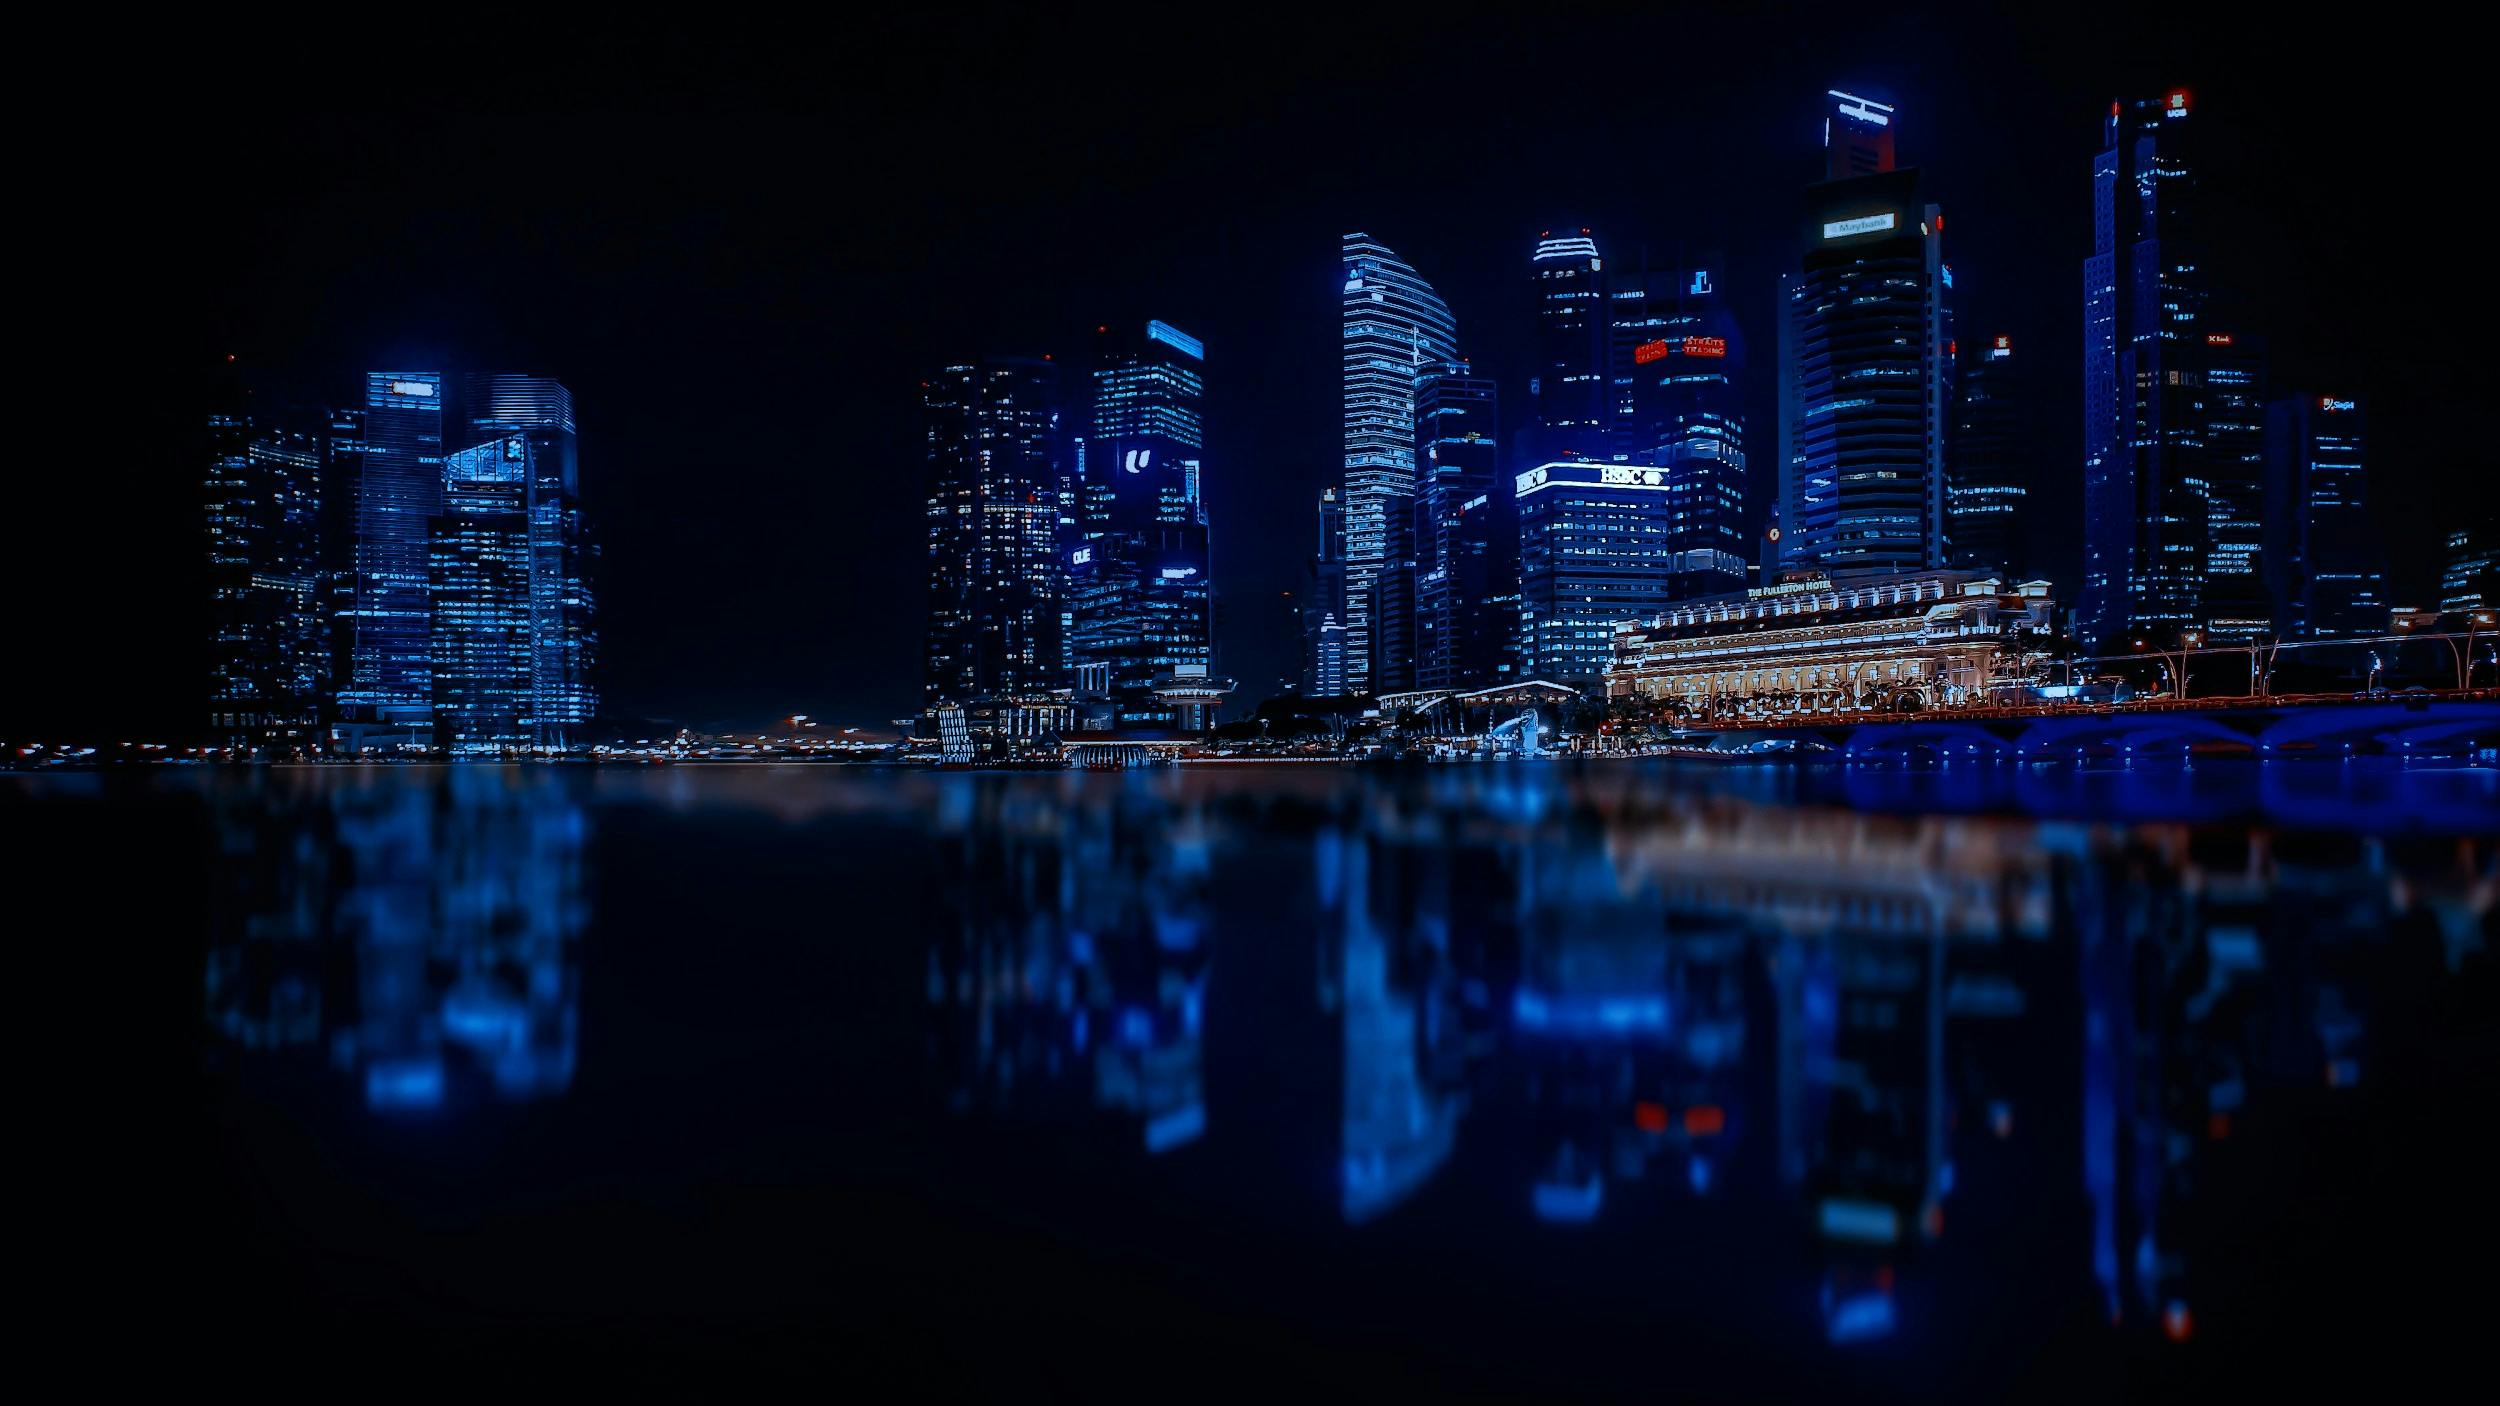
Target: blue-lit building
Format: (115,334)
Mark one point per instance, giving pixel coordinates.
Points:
(2237,603)
(267,664)
(997,583)
(2323,549)
(1466,536)
(1570,393)
(2171,403)
(1393,325)
(1595,540)
(1323,604)
(1990,463)
(1675,358)
(496,408)
(480,554)
(1866,361)
(2469,578)
(398,491)
(1139,588)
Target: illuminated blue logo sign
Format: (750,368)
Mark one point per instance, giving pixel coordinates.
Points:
(1139,459)
(1701,281)
(1080,556)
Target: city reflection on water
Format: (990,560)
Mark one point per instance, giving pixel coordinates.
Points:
(1795,1030)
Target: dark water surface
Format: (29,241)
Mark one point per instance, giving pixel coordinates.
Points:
(1634,1081)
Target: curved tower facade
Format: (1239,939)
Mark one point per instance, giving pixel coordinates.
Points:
(1394,327)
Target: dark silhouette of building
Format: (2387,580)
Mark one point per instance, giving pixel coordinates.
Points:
(1991,469)
(996,579)
(2330,575)
(262,499)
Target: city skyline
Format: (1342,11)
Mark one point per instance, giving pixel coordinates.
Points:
(737,639)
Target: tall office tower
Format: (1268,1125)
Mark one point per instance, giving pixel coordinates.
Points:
(2229,417)
(342,475)
(1392,324)
(1989,474)
(1866,361)
(995,452)
(1393,638)
(1570,395)
(1138,569)
(399,490)
(1323,604)
(1675,357)
(1593,551)
(2149,513)
(482,558)
(2321,549)
(263,502)
(563,625)
(2469,580)
(1466,535)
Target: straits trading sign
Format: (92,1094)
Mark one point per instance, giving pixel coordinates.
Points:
(1660,349)
(1863,224)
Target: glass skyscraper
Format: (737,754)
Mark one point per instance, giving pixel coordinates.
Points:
(563,635)
(1569,395)
(1393,325)
(996,452)
(1138,570)
(1594,543)
(1675,357)
(398,492)
(1323,604)
(263,505)
(1865,352)
(1466,536)
(1990,463)
(2171,403)
(485,692)
(2329,571)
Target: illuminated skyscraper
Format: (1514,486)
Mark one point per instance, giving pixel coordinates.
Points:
(563,635)
(1466,536)
(1675,357)
(2230,419)
(1991,463)
(1568,396)
(2168,401)
(1865,352)
(1593,544)
(1323,604)
(398,492)
(481,558)
(1393,324)
(1139,588)
(263,504)
(2330,577)
(996,580)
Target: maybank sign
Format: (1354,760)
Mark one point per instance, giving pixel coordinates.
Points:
(1864,224)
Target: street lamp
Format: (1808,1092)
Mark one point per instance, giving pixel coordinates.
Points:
(2476,621)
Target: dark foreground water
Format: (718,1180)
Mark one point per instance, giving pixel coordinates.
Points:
(1623,1082)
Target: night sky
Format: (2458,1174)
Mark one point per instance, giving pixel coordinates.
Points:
(742,249)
